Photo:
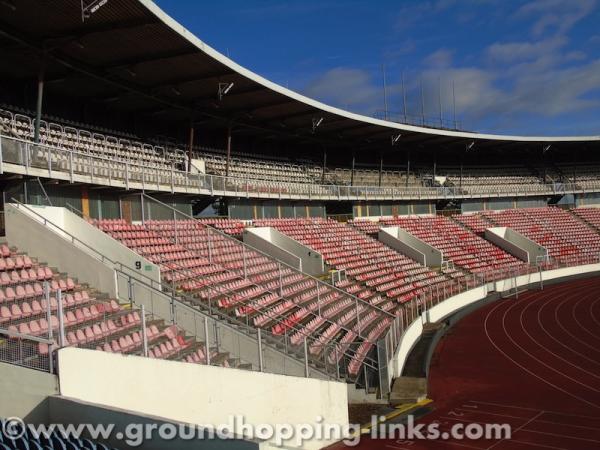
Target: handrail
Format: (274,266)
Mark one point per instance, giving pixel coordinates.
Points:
(221,291)
(260,187)
(118,267)
(243,244)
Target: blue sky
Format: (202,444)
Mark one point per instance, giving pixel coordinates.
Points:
(523,67)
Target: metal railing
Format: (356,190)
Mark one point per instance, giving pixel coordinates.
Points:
(179,302)
(53,162)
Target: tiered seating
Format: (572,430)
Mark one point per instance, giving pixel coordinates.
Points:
(258,169)
(563,235)
(459,245)
(374,272)
(586,176)
(590,215)
(212,267)
(229,226)
(475,222)
(41,441)
(370,177)
(273,174)
(90,321)
(366,226)
(114,147)
(501,179)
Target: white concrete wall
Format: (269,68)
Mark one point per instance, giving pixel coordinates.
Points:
(92,237)
(282,247)
(411,246)
(24,392)
(198,394)
(516,244)
(53,247)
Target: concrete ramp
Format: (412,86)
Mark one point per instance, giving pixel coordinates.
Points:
(282,247)
(516,244)
(401,240)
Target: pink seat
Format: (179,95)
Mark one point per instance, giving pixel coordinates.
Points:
(36,307)
(24,328)
(38,289)
(29,291)
(15,311)
(89,334)
(26,309)
(71,338)
(10,294)
(20,292)
(81,338)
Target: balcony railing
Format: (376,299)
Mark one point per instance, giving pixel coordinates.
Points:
(24,157)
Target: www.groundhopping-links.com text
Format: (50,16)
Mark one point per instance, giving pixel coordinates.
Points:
(134,435)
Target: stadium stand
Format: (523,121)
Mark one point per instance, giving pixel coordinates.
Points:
(591,216)
(507,180)
(374,272)
(459,245)
(91,320)
(109,144)
(558,230)
(221,271)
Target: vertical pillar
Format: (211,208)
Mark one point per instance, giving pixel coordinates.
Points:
(40,100)
(324,164)
(85,201)
(407,167)
(190,146)
(380,168)
(352,170)
(228,150)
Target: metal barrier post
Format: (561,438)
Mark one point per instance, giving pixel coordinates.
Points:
(61,321)
(245,264)
(207,342)
(318,296)
(280,281)
(306,368)
(144,333)
(260,352)
(48,310)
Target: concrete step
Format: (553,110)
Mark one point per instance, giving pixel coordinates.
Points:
(408,390)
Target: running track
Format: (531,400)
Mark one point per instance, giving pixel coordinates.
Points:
(531,362)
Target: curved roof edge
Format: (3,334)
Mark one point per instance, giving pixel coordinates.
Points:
(194,40)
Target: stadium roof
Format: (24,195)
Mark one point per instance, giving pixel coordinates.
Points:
(132,56)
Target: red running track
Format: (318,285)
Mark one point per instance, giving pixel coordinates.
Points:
(531,362)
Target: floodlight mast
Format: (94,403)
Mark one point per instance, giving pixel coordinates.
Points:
(89,7)
(224,89)
(316,122)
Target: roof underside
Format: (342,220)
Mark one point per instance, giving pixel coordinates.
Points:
(129,56)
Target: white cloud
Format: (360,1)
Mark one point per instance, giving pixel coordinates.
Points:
(439,58)
(351,88)
(558,16)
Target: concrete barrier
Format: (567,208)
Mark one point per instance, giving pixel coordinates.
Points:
(411,246)
(516,244)
(280,246)
(199,395)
